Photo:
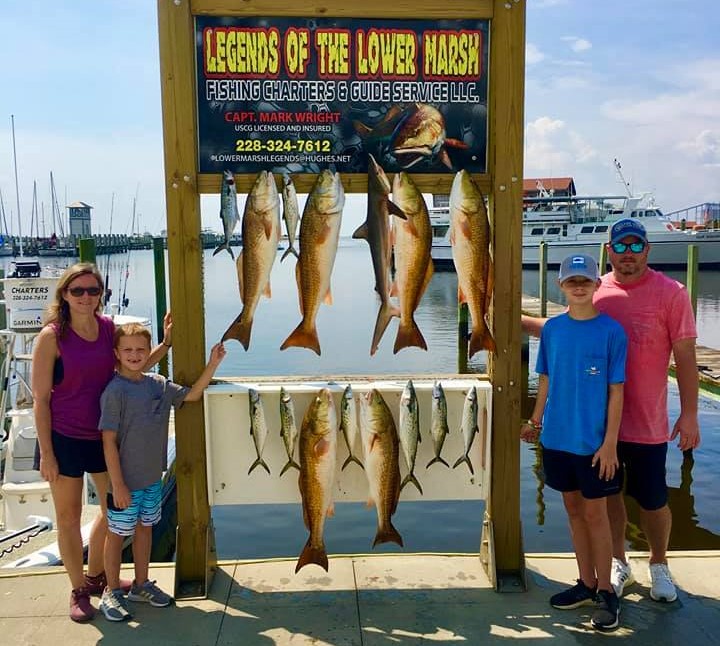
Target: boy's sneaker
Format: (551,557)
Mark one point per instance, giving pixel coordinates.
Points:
(149,593)
(114,606)
(578,595)
(96,585)
(662,587)
(80,607)
(620,576)
(607,615)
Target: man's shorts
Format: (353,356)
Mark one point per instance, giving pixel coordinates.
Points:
(570,472)
(145,507)
(74,457)
(645,468)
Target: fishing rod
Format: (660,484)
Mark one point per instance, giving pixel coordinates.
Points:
(108,291)
(125,301)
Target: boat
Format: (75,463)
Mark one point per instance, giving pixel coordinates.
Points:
(571,224)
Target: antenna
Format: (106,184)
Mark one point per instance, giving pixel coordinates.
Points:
(626,184)
(17,190)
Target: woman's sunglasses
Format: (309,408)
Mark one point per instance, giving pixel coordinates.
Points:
(79,291)
(622,247)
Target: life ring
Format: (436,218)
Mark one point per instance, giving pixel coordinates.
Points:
(669,226)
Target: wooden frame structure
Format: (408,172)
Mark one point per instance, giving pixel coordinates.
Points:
(502,183)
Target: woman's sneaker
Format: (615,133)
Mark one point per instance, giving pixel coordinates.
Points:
(114,606)
(95,585)
(80,607)
(662,587)
(620,576)
(148,592)
(578,595)
(607,615)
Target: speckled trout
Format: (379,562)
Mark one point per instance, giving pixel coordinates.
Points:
(291,214)
(409,432)
(229,214)
(288,429)
(349,425)
(258,429)
(438,423)
(468,427)
(318,447)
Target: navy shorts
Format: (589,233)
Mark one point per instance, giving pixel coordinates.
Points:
(75,457)
(571,472)
(645,473)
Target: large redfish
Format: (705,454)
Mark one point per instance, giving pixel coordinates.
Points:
(260,232)
(470,240)
(318,447)
(319,234)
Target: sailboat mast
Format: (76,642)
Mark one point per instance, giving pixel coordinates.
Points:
(17,189)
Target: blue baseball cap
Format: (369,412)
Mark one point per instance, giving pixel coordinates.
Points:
(627,227)
(579,265)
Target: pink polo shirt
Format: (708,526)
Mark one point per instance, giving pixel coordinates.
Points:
(655,312)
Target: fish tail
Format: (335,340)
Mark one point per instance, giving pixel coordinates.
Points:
(410,477)
(388,535)
(224,245)
(385,314)
(352,458)
(481,339)
(409,335)
(437,458)
(466,460)
(301,337)
(240,330)
(259,463)
(290,463)
(311,554)
(288,251)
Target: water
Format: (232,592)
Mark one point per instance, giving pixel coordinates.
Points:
(345,331)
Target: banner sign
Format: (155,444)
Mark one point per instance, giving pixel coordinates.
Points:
(301,95)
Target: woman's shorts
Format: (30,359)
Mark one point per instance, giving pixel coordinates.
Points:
(75,457)
(145,507)
(645,468)
(570,472)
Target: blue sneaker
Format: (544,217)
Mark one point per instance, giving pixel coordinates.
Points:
(148,592)
(578,595)
(114,606)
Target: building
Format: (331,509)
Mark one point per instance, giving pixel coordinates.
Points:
(79,215)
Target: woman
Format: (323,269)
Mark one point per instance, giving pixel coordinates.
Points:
(72,363)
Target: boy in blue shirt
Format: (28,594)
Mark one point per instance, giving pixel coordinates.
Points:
(581,368)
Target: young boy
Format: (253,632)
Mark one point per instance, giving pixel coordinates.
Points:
(135,410)
(581,368)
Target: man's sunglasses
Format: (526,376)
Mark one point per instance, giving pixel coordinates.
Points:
(79,291)
(622,247)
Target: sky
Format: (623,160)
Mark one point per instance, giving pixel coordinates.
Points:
(634,81)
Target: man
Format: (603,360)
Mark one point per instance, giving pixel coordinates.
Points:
(657,317)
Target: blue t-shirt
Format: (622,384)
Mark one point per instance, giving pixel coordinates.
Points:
(581,360)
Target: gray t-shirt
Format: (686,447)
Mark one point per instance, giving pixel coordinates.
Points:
(139,412)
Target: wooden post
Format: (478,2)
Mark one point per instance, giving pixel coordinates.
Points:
(505,137)
(603,258)
(160,296)
(87,250)
(542,277)
(193,563)
(462,356)
(692,275)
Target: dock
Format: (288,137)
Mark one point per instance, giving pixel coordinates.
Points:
(708,359)
(368,600)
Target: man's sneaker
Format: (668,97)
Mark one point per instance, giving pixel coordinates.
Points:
(578,595)
(80,607)
(662,587)
(149,593)
(96,585)
(607,615)
(620,576)
(113,605)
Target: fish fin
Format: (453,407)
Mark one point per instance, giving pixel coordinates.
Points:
(321,447)
(328,300)
(224,245)
(361,232)
(267,292)
(351,458)
(290,463)
(259,463)
(461,295)
(241,282)
(410,228)
(394,209)
(240,330)
(268,228)
(456,143)
(288,251)
(466,460)
(310,554)
(429,271)
(384,316)
(489,285)
(388,535)
(330,513)
(394,291)
(409,336)
(481,339)
(370,503)
(302,338)
(445,158)
(410,477)
(437,458)
(361,128)
(465,228)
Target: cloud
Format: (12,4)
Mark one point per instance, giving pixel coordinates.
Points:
(578,44)
(704,148)
(533,55)
(544,4)
(551,148)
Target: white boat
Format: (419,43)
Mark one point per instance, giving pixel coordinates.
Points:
(575,224)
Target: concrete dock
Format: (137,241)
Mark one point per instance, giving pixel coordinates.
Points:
(371,600)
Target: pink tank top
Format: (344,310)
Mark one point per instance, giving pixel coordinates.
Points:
(87,367)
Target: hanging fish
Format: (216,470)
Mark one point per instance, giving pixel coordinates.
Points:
(258,429)
(438,423)
(349,425)
(288,429)
(469,427)
(229,214)
(291,214)
(409,432)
